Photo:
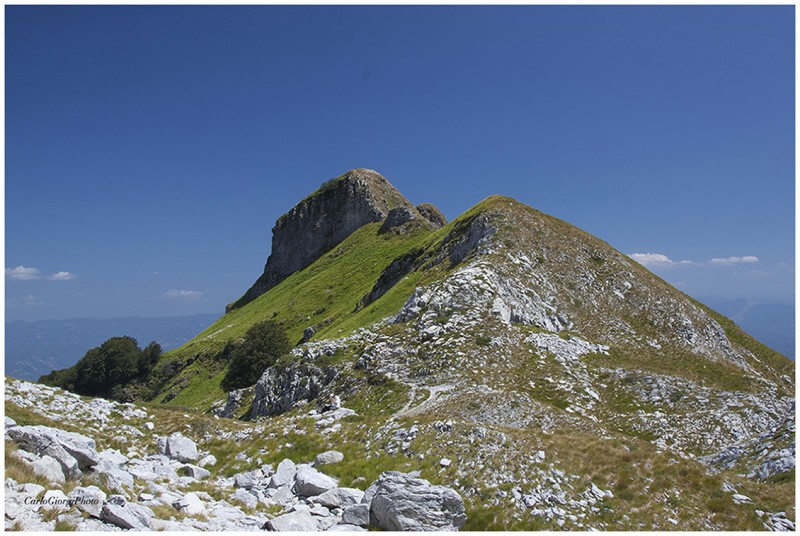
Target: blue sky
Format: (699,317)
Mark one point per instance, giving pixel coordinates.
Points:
(150,149)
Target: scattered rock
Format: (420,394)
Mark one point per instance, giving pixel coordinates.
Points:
(181,448)
(402,502)
(310,482)
(245,497)
(329,457)
(357,514)
(293,522)
(190,504)
(89,499)
(49,468)
(232,404)
(340,497)
(308,333)
(284,474)
(741,499)
(208,460)
(128,516)
(196,472)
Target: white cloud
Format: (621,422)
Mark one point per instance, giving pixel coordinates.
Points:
(728,261)
(26,273)
(62,276)
(650,259)
(183,294)
(23,273)
(758,274)
(657,260)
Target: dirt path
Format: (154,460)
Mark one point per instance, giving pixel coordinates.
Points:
(422,407)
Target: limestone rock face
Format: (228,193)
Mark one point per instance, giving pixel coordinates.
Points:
(232,404)
(280,388)
(322,220)
(402,502)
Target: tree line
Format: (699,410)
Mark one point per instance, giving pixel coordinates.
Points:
(121,370)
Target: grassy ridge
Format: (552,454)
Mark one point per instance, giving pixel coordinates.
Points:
(324,294)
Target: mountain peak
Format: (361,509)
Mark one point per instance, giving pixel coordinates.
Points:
(326,217)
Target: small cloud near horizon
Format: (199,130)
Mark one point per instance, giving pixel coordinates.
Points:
(62,276)
(728,261)
(183,294)
(27,273)
(659,260)
(23,273)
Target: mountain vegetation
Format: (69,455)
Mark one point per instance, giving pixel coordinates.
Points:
(545,378)
(263,344)
(111,370)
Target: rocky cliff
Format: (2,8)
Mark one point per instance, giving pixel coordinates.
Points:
(328,216)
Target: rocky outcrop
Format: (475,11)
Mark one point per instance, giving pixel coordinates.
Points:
(432,214)
(322,220)
(232,403)
(280,388)
(397,217)
(70,451)
(403,502)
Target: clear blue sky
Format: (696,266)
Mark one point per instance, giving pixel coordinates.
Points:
(150,149)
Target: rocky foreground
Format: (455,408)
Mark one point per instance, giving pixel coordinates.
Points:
(79,487)
(123,473)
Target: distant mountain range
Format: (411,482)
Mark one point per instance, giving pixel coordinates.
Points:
(772,323)
(36,348)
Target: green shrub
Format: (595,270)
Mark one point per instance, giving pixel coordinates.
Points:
(263,345)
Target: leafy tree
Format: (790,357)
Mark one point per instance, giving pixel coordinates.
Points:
(107,369)
(263,344)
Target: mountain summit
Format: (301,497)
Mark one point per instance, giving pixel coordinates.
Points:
(328,216)
(549,379)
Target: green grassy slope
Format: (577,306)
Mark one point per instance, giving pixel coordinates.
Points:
(326,293)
